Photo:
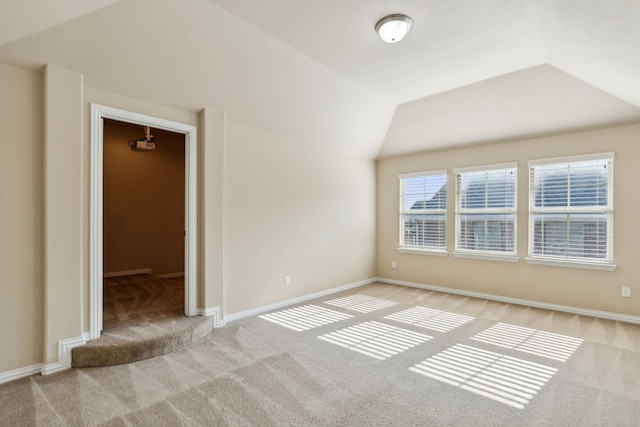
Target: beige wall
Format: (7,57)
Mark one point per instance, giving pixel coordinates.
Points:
(143,201)
(21,218)
(269,207)
(211,187)
(64,260)
(596,290)
(293,209)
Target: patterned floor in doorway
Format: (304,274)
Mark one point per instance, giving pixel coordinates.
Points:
(143,317)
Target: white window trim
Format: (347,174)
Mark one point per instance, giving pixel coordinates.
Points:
(423,250)
(569,159)
(486,256)
(607,266)
(595,264)
(511,165)
(428,173)
(489,256)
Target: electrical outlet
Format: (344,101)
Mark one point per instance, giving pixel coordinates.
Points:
(287,280)
(626,292)
(393,264)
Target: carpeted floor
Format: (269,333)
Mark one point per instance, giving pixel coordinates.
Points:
(143,317)
(141,298)
(379,355)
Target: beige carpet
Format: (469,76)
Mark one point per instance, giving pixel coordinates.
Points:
(141,298)
(379,355)
(143,317)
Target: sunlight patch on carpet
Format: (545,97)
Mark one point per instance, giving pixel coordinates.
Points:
(441,321)
(361,303)
(502,378)
(532,341)
(305,317)
(376,339)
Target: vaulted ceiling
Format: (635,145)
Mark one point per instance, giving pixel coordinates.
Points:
(470,71)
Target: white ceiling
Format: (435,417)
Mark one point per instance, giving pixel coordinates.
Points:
(451,44)
(533,102)
(470,71)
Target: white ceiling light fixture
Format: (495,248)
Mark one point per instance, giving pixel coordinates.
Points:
(394,27)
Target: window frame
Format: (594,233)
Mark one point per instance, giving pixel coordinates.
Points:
(510,256)
(425,250)
(568,261)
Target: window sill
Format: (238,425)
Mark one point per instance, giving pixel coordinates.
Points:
(487,257)
(572,264)
(418,251)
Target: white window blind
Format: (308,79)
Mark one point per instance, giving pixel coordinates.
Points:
(423,210)
(486,210)
(571,209)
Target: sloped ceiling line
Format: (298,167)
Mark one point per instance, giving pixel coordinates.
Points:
(316,72)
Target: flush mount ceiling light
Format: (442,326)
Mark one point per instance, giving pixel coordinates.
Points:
(393,28)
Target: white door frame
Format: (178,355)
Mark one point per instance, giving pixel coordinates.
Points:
(98,113)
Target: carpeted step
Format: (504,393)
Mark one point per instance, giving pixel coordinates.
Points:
(137,341)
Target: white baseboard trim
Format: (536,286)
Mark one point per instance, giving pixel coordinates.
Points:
(64,354)
(170,275)
(218,321)
(16,374)
(52,368)
(64,349)
(275,306)
(127,272)
(536,304)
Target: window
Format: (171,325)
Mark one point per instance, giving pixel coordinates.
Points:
(486,211)
(423,211)
(570,210)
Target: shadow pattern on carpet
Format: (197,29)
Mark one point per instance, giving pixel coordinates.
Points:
(257,372)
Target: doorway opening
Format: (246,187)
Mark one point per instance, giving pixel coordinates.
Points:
(106,117)
(143,230)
